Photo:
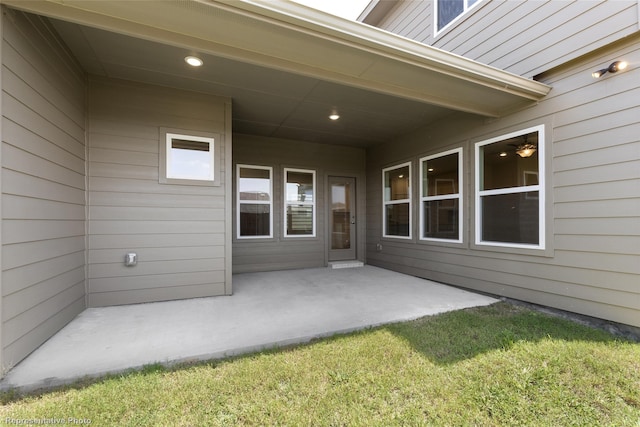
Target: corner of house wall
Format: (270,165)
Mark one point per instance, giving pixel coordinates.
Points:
(87,123)
(361,188)
(2,366)
(228,205)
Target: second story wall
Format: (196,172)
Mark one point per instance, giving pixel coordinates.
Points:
(523,37)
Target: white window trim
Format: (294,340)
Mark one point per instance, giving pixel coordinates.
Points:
(457,196)
(540,188)
(465,11)
(287,203)
(169,151)
(164,156)
(385,203)
(254,202)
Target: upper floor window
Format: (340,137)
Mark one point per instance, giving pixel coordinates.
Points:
(441,196)
(255,201)
(448,11)
(300,203)
(510,196)
(396,202)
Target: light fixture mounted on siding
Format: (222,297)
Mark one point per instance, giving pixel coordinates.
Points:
(613,68)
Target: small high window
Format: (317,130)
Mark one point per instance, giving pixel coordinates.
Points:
(441,196)
(300,203)
(255,201)
(396,202)
(510,197)
(190,157)
(447,11)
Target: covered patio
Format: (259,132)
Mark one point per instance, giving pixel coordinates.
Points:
(105,83)
(267,310)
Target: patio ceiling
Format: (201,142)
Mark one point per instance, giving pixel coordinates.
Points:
(286,67)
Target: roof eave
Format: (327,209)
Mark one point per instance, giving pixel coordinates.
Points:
(290,37)
(392,45)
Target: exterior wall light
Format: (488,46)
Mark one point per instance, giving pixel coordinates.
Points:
(194,61)
(613,68)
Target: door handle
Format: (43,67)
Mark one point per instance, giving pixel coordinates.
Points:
(353,219)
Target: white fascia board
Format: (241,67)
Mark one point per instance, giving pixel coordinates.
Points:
(286,36)
(392,45)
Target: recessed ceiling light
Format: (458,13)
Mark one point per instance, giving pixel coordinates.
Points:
(334,116)
(194,61)
(503,154)
(430,170)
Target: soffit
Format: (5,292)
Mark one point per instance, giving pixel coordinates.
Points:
(266,102)
(285,65)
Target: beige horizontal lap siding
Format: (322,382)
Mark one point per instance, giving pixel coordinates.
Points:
(279,252)
(281,255)
(523,37)
(411,19)
(176,230)
(593,131)
(43,186)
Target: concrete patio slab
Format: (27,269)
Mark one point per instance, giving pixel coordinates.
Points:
(267,310)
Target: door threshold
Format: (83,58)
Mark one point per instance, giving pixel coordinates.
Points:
(346,264)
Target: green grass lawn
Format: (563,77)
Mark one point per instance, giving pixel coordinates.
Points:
(496,365)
